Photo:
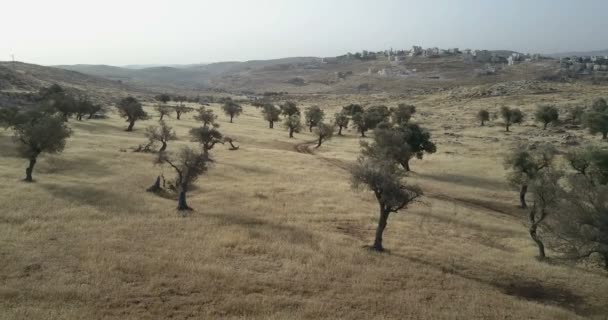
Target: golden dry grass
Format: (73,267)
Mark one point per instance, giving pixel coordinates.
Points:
(278,234)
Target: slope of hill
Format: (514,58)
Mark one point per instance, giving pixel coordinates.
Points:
(304,75)
(580,53)
(23,78)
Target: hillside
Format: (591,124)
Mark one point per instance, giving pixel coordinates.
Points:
(311,75)
(22,78)
(580,53)
(277,231)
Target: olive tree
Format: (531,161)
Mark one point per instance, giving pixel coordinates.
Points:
(324,132)
(84,106)
(36,132)
(599,105)
(56,99)
(132,110)
(370,118)
(352,109)
(207,117)
(546,192)
(483,115)
(341,119)
(546,115)
(293,124)
(597,122)
(232,109)
(163,110)
(400,144)
(314,115)
(290,108)
(162,133)
(525,164)
(163,98)
(581,222)
(180,110)
(188,164)
(402,113)
(383,178)
(208,137)
(576,113)
(511,116)
(271,114)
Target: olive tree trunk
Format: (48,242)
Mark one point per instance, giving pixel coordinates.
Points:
(131,124)
(181,201)
(30,169)
(156,186)
(533,232)
(339,130)
(380,230)
(320,141)
(522,196)
(291,132)
(163,147)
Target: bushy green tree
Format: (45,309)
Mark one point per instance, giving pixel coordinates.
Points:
(208,137)
(511,116)
(399,143)
(132,110)
(402,113)
(370,118)
(232,109)
(293,124)
(271,114)
(314,115)
(546,115)
(36,132)
(290,108)
(483,115)
(596,122)
(341,119)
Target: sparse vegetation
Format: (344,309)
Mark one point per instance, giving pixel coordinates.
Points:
(341,119)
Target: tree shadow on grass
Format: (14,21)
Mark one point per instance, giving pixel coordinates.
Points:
(517,286)
(86,195)
(264,228)
(77,166)
(468,181)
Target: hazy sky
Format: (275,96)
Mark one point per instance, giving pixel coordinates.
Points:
(192,31)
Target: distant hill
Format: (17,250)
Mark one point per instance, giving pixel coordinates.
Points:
(21,78)
(580,53)
(310,75)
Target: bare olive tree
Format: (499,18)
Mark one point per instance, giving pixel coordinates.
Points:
(188,165)
(162,133)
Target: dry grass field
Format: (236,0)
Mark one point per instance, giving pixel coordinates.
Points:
(277,232)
